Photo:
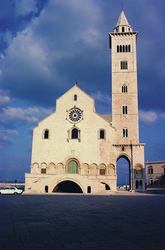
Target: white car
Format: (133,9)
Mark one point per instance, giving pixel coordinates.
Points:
(10,190)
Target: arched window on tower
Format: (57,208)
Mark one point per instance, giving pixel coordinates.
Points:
(124,88)
(122,29)
(129,48)
(124,65)
(121,48)
(124,110)
(125,132)
(118,48)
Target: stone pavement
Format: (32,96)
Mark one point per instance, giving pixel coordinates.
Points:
(122,221)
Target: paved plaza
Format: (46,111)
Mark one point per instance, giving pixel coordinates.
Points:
(119,221)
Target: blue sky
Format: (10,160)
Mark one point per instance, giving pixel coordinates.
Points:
(45,46)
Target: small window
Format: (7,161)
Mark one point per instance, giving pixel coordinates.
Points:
(75,97)
(43,170)
(150,170)
(46,189)
(102,134)
(89,190)
(121,48)
(124,110)
(122,29)
(124,89)
(129,48)
(125,132)
(46,134)
(102,171)
(118,50)
(75,133)
(124,65)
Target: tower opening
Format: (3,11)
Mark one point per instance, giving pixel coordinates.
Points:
(123,172)
(67,187)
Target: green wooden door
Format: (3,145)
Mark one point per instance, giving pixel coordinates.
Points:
(72,168)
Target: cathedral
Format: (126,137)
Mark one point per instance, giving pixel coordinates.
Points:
(75,150)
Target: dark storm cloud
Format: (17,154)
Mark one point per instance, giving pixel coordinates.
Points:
(68,41)
(61,45)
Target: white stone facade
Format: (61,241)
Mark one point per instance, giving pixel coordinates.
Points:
(77,149)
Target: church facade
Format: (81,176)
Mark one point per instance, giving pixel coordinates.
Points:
(75,149)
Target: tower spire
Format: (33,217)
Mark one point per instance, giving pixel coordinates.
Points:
(122,24)
(122,21)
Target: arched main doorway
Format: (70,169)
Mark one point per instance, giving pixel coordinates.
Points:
(123,172)
(67,187)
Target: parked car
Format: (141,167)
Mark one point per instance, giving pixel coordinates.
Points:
(10,190)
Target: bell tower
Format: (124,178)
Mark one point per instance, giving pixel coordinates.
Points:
(124,82)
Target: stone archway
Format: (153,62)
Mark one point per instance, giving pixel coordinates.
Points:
(123,171)
(67,186)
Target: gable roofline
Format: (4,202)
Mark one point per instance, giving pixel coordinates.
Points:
(76,87)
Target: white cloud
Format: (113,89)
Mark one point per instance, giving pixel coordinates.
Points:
(102,97)
(50,51)
(11,116)
(4,98)
(147,117)
(6,137)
